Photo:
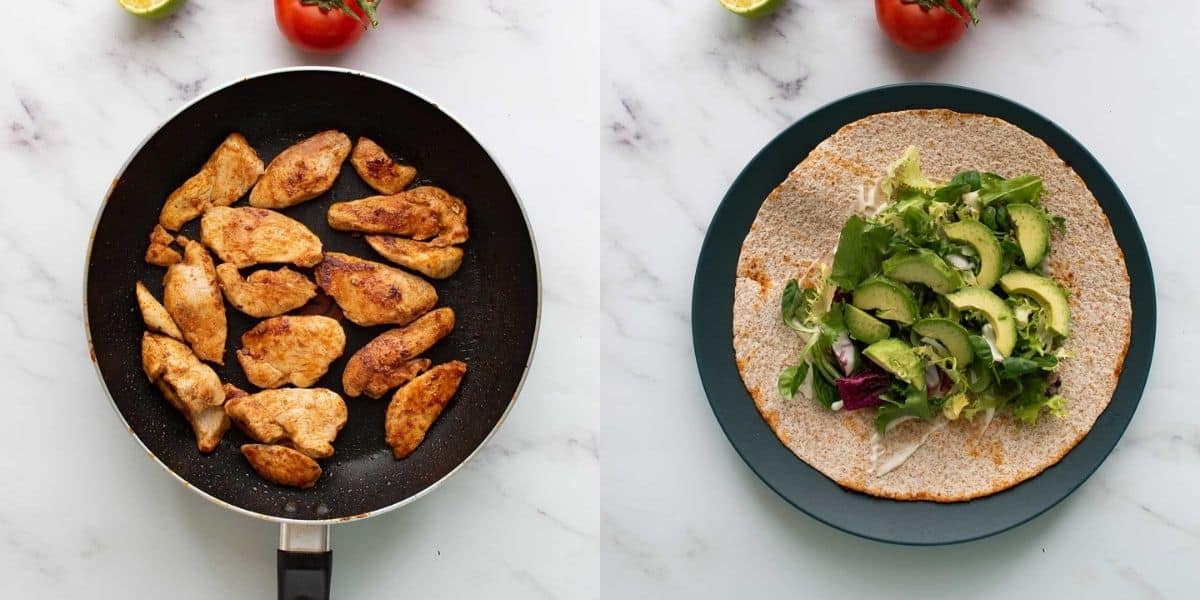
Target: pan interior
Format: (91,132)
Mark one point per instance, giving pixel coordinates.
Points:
(494,294)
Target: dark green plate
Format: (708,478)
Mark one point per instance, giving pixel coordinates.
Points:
(919,523)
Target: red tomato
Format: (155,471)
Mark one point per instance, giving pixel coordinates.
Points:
(311,28)
(920,28)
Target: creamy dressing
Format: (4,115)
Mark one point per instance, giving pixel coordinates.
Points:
(901,455)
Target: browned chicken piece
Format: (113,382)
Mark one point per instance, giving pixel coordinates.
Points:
(246,236)
(422,257)
(302,172)
(154,315)
(417,405)
(305,419)
(265,293)
(420,213)
(290,349)
(191,386)
(282,465)
(227,175)
(372,293)
(159,252)
(388,360)
(383,174)
(193,299)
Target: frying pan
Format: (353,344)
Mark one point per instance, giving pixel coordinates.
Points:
(496,297)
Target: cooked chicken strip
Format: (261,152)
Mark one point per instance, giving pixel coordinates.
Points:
(420,213)
(160,253)
(422,257)
(191,386)
(287,349)
(193,300)
(388,360)
(417,405)
(265,293)
(154,315)
(302,172)
(246,236)
(306,419)
(226,176)
(371,293)
(282,465)
(378,169)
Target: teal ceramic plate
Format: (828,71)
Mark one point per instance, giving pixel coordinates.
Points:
(920,523)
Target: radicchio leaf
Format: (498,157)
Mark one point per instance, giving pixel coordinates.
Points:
(862,389)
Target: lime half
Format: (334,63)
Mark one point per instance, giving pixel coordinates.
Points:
(151,9)
(752,8)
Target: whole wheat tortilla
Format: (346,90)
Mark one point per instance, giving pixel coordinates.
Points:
(799,223)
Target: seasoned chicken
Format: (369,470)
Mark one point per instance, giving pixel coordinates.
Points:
(191,386)
(295,350)
(302,172)
(227,175)
(420,213)
(422,257)
(265,293)
(307,420)
(378,169)
(388,360)
(154,315)
(282,465)
(193,300)
(160,253)
(246,236)
(370,293)
(417,405)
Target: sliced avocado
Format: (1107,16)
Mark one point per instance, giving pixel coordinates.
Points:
(1046,292)
(994,309)
(889,299)
(898,358)
(952,335)
(1033,232)
(924,267)
(980,237)
(863,327)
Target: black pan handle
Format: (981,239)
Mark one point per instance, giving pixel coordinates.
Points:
(304,563)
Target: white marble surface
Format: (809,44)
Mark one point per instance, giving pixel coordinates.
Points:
(84,513)
(690,95)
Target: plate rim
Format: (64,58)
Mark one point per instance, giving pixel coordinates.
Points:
(714,370)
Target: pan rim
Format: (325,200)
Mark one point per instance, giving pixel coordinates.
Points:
(537,319)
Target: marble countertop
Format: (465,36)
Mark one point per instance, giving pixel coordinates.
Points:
(84,512)
(690,95)
(621,124)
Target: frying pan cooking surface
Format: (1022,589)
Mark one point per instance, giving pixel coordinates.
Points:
(494,294)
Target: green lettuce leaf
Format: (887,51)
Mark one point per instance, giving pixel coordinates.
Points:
(994,188)
(916,404)
(860,252)
(791,379)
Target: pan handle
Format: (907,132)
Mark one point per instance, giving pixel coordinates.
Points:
(304,563)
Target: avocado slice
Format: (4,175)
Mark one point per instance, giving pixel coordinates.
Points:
(952,335)
(923,266)
(863,327)
(983,240)
(898,358)
(1033,232)
(997,312)
(889,299)
(1046,292)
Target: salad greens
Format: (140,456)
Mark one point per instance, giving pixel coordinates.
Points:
(946,314)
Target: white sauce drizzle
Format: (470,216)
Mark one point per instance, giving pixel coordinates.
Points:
(901,455)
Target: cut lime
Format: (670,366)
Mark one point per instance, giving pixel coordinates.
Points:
(752,8)
(151,9)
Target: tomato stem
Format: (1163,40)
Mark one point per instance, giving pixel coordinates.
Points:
(367,6)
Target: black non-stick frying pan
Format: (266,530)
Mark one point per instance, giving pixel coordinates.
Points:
(495,295)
